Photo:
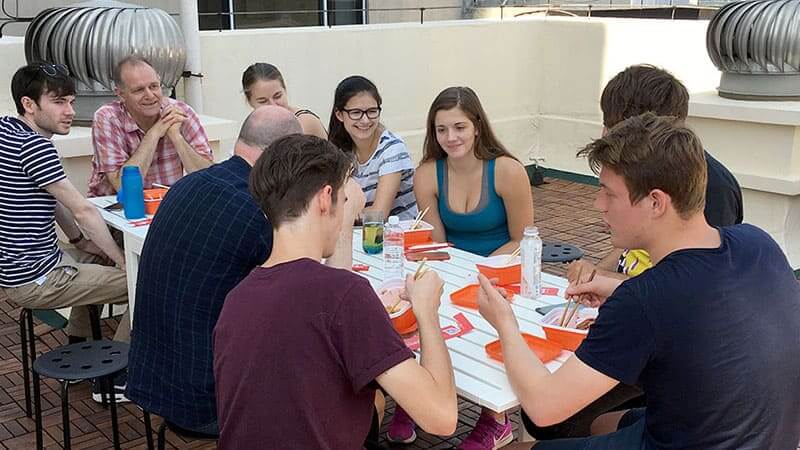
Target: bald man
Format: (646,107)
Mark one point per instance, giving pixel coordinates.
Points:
(207,236)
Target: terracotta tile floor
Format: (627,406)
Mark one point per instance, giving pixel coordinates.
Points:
(563,212)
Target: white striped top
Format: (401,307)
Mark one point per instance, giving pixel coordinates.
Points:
(28,163)
(391,156)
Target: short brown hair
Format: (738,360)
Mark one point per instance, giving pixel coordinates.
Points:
(652,152)
(291,171)
(486,147)
(642,88)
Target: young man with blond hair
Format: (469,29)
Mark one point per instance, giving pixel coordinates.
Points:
(717,361)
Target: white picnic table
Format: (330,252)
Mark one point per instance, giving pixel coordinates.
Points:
(478,378)
(133,240)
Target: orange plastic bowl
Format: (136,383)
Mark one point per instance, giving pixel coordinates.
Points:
(495,267)
(544,349)
(403,320)
(152,199)
(567,337)
(423,234)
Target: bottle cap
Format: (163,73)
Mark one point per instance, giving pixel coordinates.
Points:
(394,220)
(127,170)
(531,231)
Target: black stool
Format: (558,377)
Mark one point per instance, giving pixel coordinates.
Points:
(81,361)
(28,345)
(560,252)
(167,425)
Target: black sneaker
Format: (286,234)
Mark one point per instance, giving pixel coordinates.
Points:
(120,383)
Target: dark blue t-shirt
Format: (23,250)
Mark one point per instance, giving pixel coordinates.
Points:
(207,236)
(713,338)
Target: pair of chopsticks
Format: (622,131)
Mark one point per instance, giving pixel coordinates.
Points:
(421,270)
(567,316)
(418,219)
(140,222)
(513,255)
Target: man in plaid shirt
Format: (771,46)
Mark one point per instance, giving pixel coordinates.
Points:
(162,136)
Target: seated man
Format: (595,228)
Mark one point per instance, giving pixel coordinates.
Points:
(208,235)
(634,91)
(300,348)
(718,364)
(161,136)
(35,272)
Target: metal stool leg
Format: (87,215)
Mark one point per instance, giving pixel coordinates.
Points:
(37,403)
(162,435)
(109,382)
(148,430)
(94,318)
(26,376)
(65,412)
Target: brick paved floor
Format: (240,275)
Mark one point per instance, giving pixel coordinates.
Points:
(563,212)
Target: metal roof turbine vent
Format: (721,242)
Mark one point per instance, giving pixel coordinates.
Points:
(756,45)
(91,37)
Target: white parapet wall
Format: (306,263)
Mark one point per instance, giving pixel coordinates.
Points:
(540,81)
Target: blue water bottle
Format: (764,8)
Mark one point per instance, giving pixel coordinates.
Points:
(132,193)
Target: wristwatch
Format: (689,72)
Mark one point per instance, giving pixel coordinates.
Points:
(74,241)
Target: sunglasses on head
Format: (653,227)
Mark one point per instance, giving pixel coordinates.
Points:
(50,70)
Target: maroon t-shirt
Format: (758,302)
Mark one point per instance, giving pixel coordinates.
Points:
(296,351)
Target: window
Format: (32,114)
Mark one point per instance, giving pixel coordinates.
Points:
(215,14)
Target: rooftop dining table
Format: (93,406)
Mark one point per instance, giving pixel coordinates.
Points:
(478,378)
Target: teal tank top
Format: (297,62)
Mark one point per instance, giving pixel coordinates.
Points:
(485,228)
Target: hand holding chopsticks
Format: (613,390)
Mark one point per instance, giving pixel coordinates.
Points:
(566,317)
(421,269)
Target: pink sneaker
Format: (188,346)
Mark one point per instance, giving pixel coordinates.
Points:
(401,429)
(488,434)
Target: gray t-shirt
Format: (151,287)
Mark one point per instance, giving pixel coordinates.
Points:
(391,156)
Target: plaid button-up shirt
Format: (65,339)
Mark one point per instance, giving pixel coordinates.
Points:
(116,137)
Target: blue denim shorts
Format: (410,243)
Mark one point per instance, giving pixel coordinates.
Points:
(629,436)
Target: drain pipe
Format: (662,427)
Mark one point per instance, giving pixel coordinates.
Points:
(192,75)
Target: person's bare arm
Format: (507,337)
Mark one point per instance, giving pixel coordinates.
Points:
(610,262)
(585,269)
(426,390)
(191,160)
(547,398)
(144,154)
(312,126)
(88,218)
(386,192)
(343,255)
(513,186)
(425,191)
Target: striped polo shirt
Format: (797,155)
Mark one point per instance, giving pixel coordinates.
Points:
(28,163)
(391,156)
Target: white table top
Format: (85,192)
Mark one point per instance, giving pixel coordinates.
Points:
(478,378)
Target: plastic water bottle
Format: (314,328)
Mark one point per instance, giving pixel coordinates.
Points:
(531,253)
(393,249)
(132,194)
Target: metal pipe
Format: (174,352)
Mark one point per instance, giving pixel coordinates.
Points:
(192,84)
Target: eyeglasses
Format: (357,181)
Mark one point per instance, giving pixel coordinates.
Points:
(52,70)
(356,114)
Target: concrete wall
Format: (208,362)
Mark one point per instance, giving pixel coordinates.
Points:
(454,10)
(539,79)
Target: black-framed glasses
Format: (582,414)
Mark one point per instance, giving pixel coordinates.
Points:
(356,114)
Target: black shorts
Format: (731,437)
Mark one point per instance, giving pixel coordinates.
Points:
(629,436)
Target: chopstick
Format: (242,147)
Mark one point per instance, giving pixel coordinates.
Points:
(512,256)
(569,300)
(577,303)
(421,269)
(418,219)
(160,186)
